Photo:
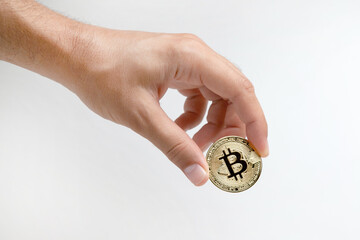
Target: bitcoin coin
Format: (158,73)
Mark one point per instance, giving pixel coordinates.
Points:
(234,166)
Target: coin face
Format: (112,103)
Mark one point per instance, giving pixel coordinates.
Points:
(234,166)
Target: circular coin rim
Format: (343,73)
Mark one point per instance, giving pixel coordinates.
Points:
(211,176)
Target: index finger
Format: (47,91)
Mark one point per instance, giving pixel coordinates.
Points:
(223,78)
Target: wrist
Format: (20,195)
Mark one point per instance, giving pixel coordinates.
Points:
(34,37)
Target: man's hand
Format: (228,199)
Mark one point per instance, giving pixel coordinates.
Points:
(122,75)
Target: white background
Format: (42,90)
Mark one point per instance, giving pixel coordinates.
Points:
(65,173)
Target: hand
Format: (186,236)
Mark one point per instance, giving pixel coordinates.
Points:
(122,75)
(133,70)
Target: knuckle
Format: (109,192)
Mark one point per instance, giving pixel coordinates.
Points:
(175,151)
(247,85)
(189,36)
(188,44)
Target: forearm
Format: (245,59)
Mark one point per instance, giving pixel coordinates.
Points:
(36,38)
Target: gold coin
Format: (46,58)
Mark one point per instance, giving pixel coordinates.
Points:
(234,166)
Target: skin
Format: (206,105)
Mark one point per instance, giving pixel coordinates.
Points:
(122,75)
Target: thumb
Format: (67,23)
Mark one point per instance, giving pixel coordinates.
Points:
(173,142)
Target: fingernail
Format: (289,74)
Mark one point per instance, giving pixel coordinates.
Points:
(262,153)
(266,153)
(195,173)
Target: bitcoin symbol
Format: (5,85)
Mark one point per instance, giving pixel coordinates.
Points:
(234,166)
(229,165)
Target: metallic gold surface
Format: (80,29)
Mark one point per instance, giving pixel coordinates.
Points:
(234,166)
